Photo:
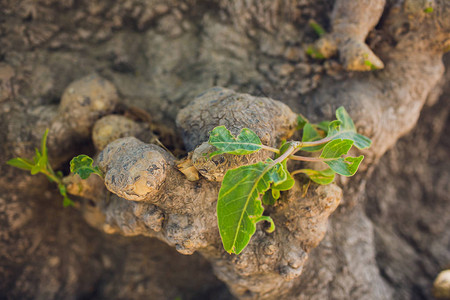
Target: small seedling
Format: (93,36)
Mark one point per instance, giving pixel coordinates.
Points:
(40,164)
(311,50)
(246,188)
(81,165)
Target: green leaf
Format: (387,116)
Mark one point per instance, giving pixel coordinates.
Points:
(314,53)
(271,196)
(310,134)
(245,143)
(82,165)
(344,128)
(324,126)
(283,148)
(44,151)
(275,193)
(284,182)
(42,163)
(312,131)
(323,177)
(36,169)
(21,163)
(301,122)
(40,160)
(41,157)
(239,206)
(67,202)
(63,191)
(268,198)
(286,185)
(370,65)
(336,148)
(267,219)
(333,152)
(318,29)
(37,156)
(346,166)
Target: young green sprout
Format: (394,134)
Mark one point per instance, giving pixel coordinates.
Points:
(246,188)
(81,165)
(41,164)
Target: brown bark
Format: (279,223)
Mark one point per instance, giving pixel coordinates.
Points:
(387,239)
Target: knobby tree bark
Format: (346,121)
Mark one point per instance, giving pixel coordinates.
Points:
(131,83)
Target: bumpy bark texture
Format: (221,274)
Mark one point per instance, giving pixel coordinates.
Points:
(68,65)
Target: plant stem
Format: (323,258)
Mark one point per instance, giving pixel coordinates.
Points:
(285,155)
(315,143)
(52,176)
(298,145)
(48,171)
(313,159)
(264,147)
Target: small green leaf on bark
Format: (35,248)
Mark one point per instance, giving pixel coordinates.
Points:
(286,182)
(344,128)
(301,122)
(318,29)
(21,163)
(245,143)
(310,134)
(323,177)
(82,165)
(239,206)
(314,53)
(336,148)
(345,166)
(370,65)
(332,154)
(44,151)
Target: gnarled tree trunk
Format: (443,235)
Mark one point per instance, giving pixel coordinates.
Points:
(65,65)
